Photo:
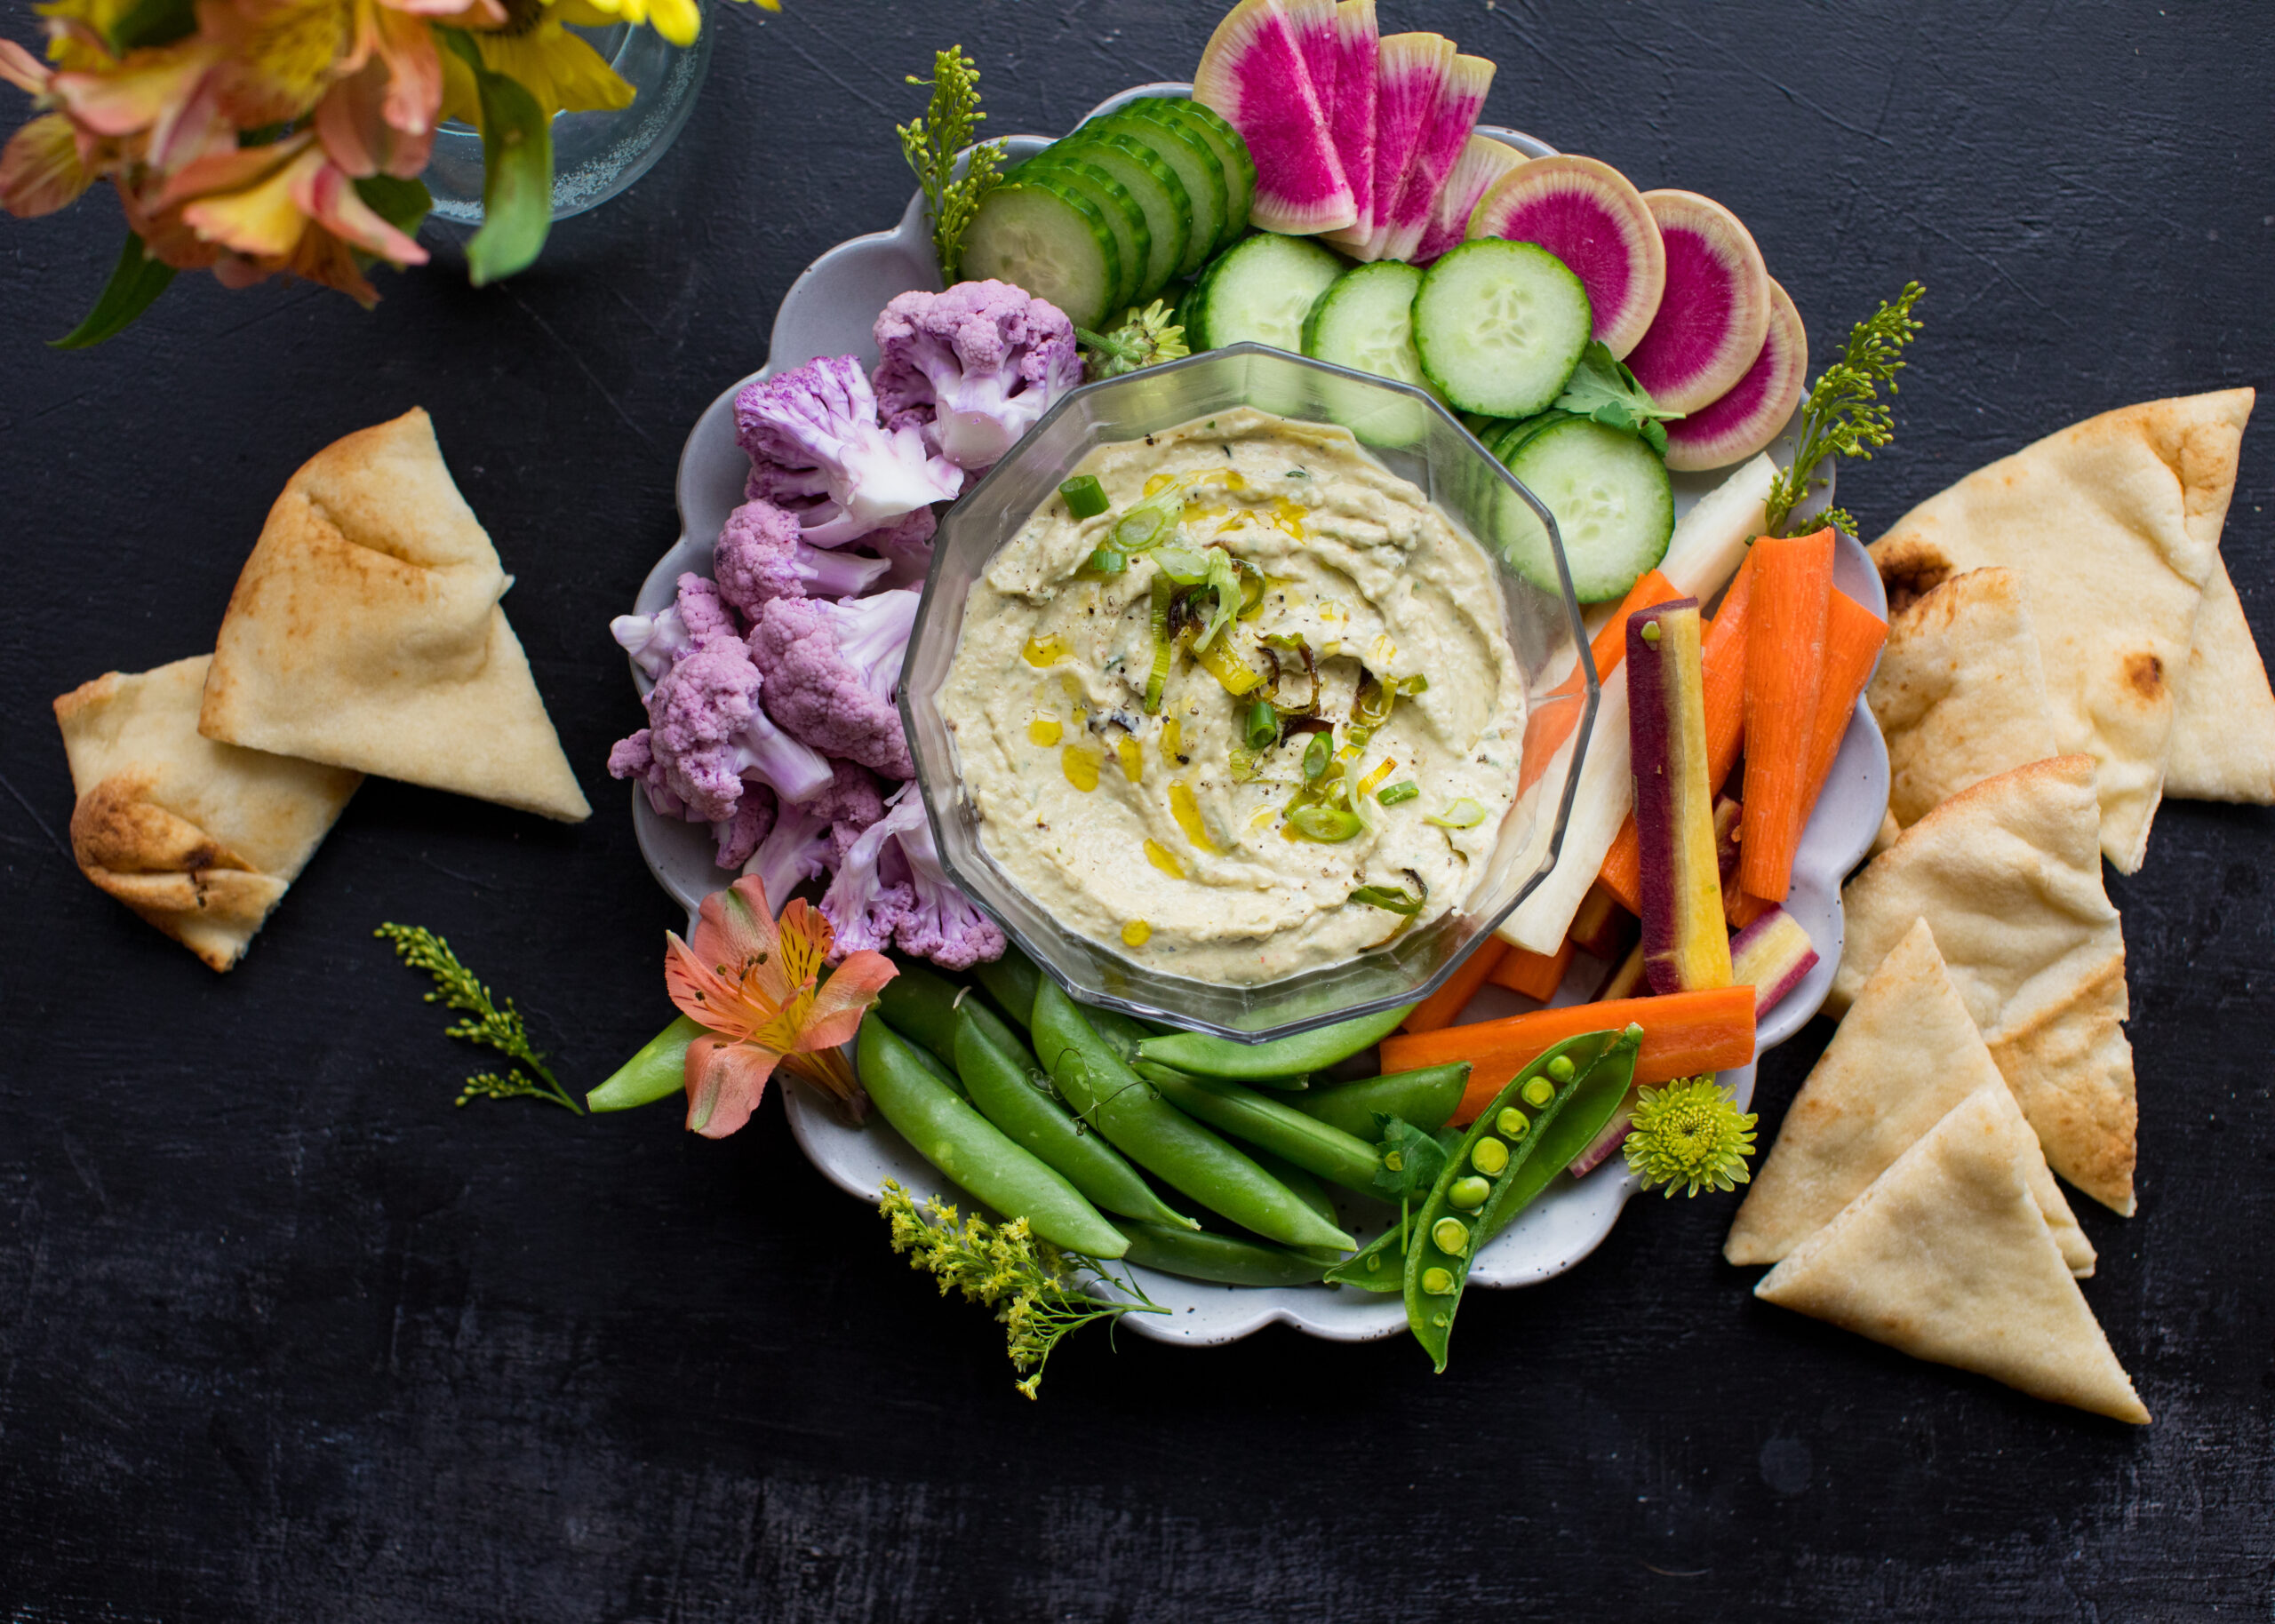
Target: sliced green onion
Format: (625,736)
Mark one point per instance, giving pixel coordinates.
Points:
(1360,737)
(1416,684)
(1240,763)
(1140,528)
(1315,756)
(1324,824)
(1164,591)
(1463,814)
(1262,729)
(1184,565)
(1391,794)
(1107,561)
(1395,899)
(1085,497)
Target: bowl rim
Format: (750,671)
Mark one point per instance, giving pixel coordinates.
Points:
(1147,1009)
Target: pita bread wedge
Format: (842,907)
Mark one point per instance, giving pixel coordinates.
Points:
(1906,1052)
(199,839)
(2007,875)
(1947,1257)
(2224,715)
(1959,693)
(365,631)
(2114,525)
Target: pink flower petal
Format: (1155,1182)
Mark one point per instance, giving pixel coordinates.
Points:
(725,1082)
(844,998)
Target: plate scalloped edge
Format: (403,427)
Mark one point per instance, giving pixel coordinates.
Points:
(829,310)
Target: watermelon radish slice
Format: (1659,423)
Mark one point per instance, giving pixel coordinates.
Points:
(1318,43)
(1482,162)
(1715,314)
(1252,75)
(1358,46)
(1752,412)
(1409,69)
(1461,96)
(1588,215)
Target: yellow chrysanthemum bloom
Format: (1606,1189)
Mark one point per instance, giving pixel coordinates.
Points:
(536,50)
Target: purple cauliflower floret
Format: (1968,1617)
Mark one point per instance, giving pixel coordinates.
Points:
(907,548)
(807,841)
(654,641)
(982,361)
(636,758)
(892,887)
(739,836)
(818,425)
(707,734)
(830,670)
(760,557)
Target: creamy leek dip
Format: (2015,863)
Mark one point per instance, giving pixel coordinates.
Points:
(1199,835)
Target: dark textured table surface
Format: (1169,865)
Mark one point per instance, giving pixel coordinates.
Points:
(284,1336)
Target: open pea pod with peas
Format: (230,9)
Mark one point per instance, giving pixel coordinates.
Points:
(1572,1109)
(1503,1162)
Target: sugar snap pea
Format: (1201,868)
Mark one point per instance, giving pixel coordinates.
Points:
(1312,1193)
(1481,1189)
(920,1004)
(1224,1259)
(1427,1098)
(1273,1125)
(1011,981)
(995,1067)
(1207,1055)
(657,1073)
(1107,1094)
(972,1151)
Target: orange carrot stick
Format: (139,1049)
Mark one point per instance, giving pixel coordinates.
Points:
(1684,1033)
(1534,975)
(1558,712)
(1723,656)
(1439,1008)
(1784,677)
(1853,638)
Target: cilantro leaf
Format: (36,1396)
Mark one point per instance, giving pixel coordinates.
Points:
(1411,1159)
(1604,389)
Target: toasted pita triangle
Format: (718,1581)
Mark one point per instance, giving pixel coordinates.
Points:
(1906,1052)
(1959,691)
(365,631)
(199,839)
(2007,875)
(1947,1257)
(2114,525)
(2224,716)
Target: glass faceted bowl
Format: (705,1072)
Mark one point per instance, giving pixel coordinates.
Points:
(1414,436)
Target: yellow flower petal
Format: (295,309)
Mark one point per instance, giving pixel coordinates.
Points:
(263,221)
(677,20)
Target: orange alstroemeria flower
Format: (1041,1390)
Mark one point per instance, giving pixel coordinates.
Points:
(754,983)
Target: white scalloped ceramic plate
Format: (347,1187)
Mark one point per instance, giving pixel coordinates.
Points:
(829,311)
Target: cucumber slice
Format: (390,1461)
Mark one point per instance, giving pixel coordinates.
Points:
(1132,240)
(1161,196)
(1039,233)
(1500,326)
(1365,321)
(1231,154)
(1261,290)
(1195,162)
(1612,501)
(1507,439)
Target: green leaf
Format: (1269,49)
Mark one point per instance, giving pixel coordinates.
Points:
(153,22)
(1602,389)
(402,203)
(135,281)
(516,172)
(1411,1159)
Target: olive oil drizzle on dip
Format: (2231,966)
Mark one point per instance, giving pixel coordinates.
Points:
(1179,719)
